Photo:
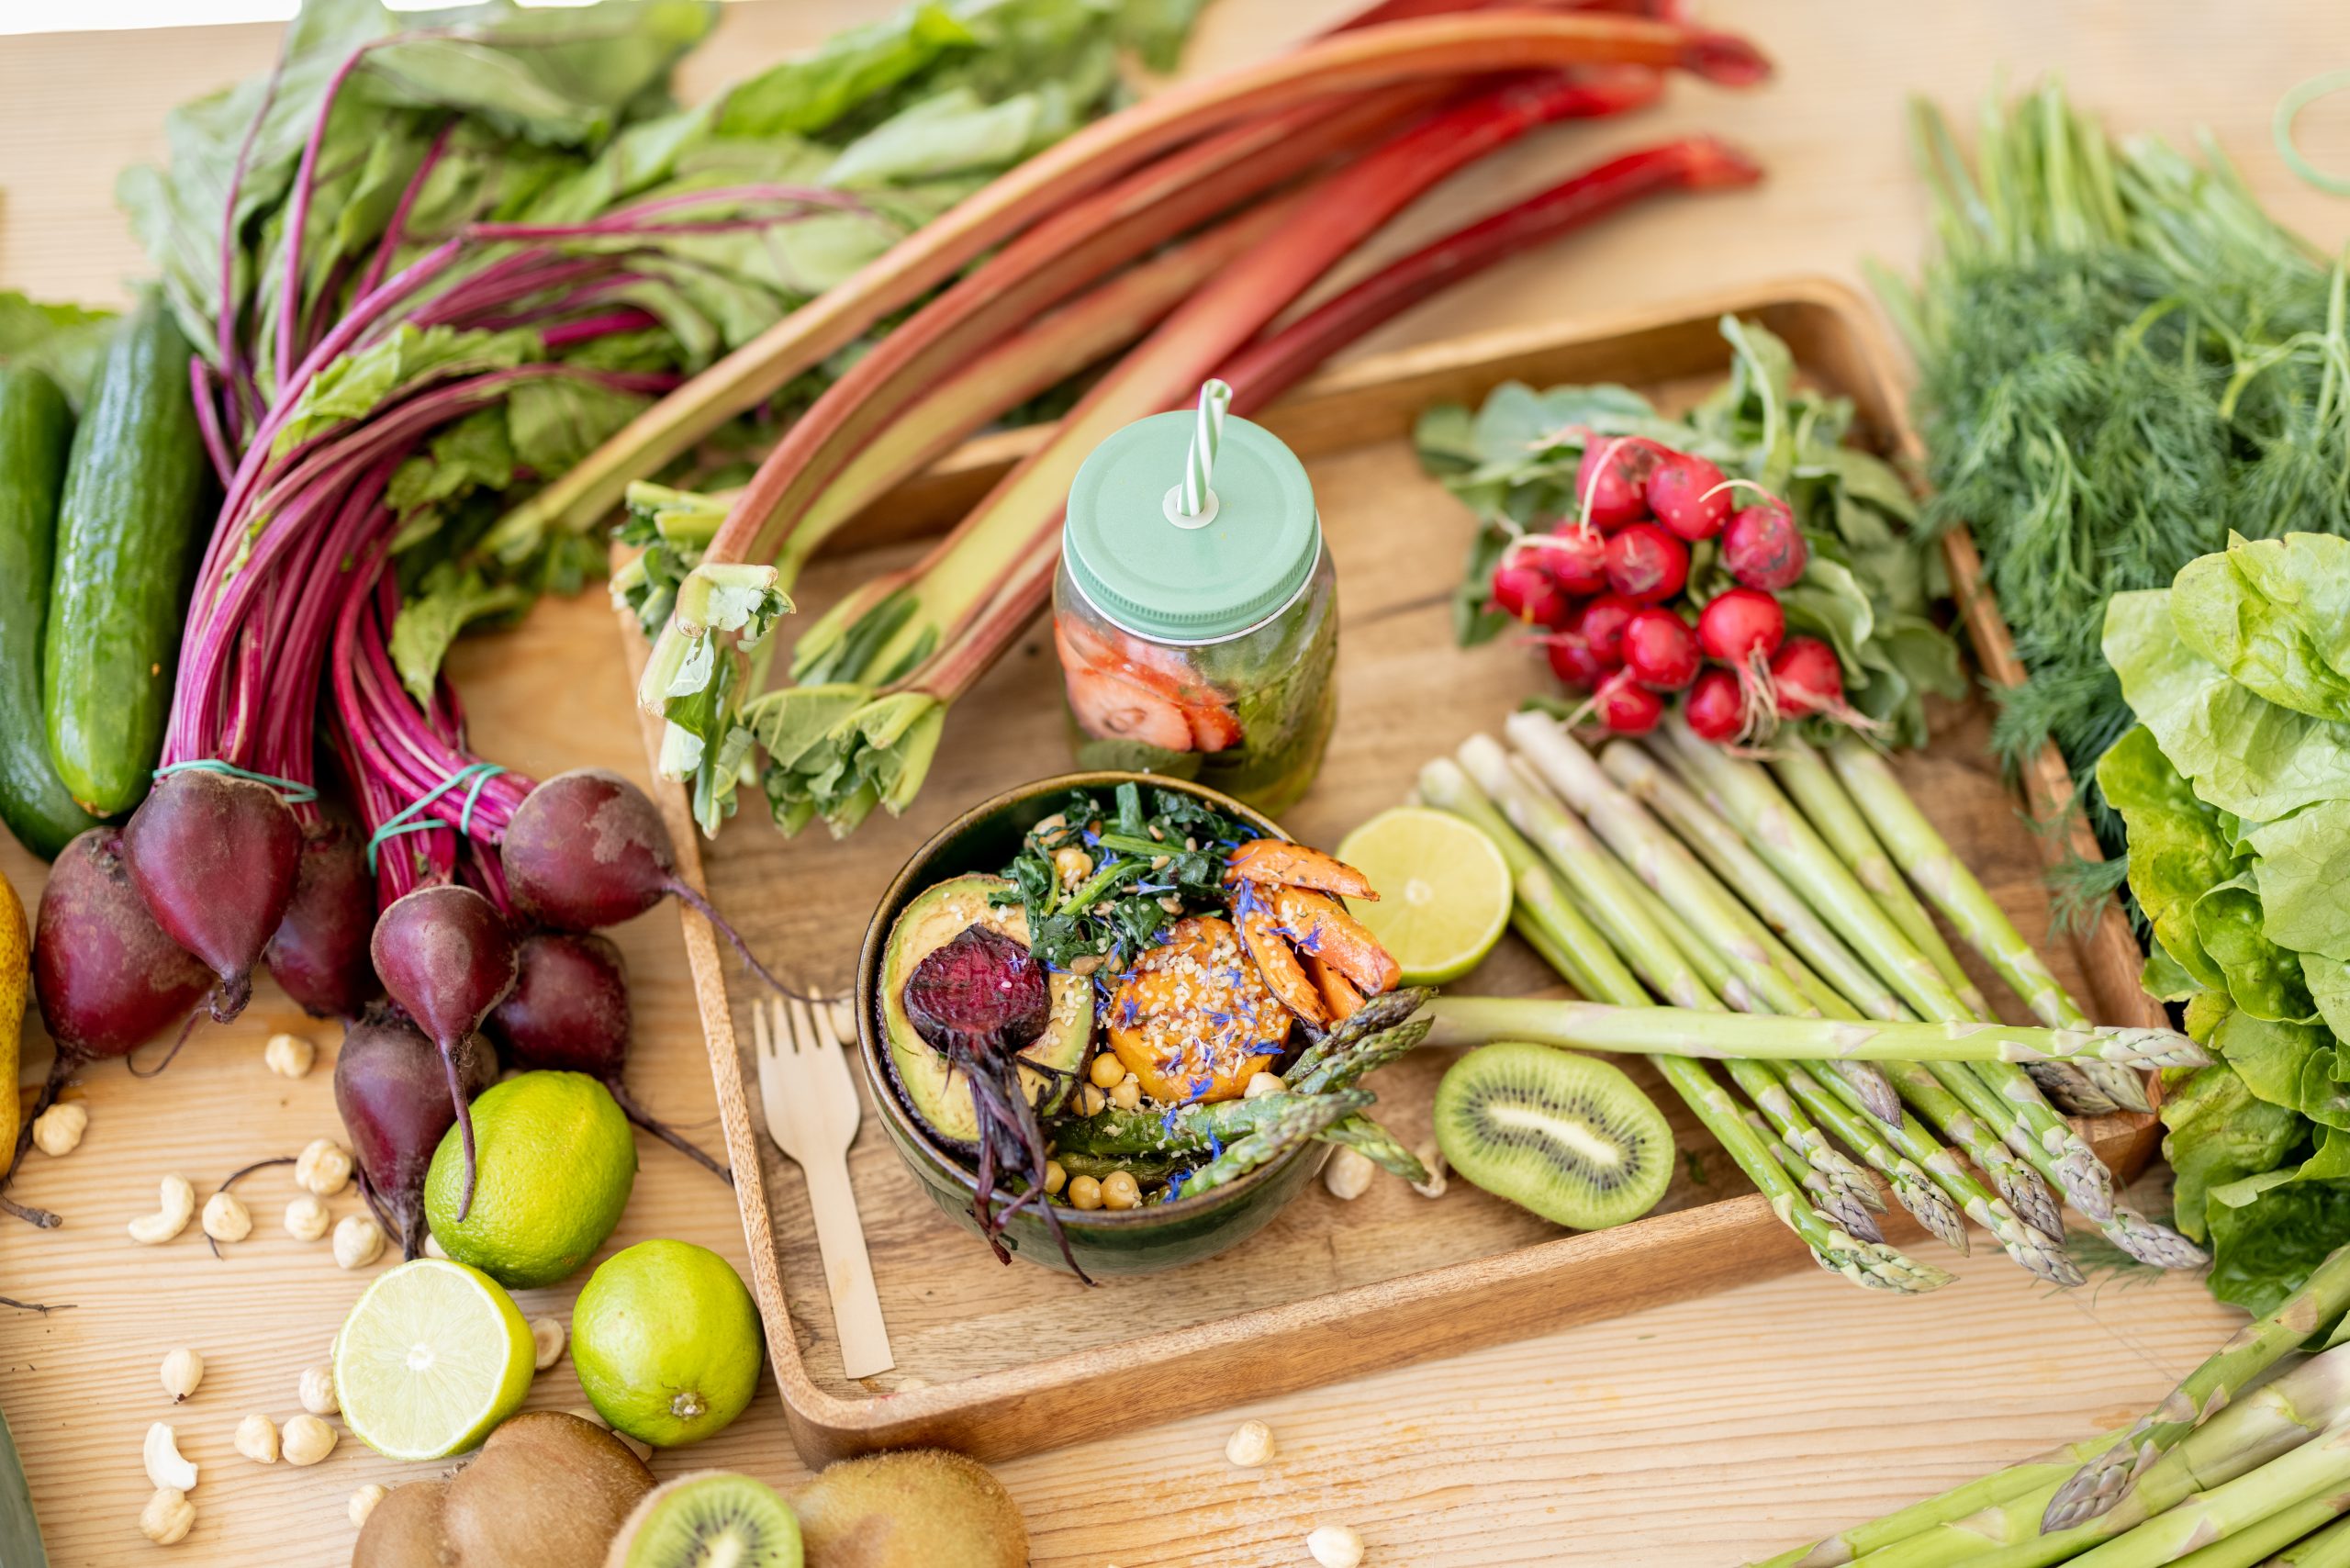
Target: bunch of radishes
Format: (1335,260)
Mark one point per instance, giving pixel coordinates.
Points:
(1607,587)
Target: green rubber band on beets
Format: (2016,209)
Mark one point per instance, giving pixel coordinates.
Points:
(2288,108)
(294,793)
(406,819)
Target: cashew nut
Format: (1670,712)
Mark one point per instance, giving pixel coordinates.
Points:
(225,1219)
(307,1439)
(257,1438)
(167,1518)
(433,1248)
(178,1207)
(323,1167)
(307,1218)
(182,1370)
(1261,1083)
(546,1341)
(1349,1174)
(1335,1546)
(164,1466)
(318,1391)
(364,1501)
(58,1130)
(358,1241)
(288,1055)
(1432,1156)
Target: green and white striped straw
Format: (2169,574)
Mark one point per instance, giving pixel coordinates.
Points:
(1207,431)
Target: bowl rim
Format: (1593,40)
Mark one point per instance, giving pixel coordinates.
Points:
(902,887)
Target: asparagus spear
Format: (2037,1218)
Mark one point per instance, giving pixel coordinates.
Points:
(1444,787)
(1378,1015)
(1556,928)
(2255,1546)
(1692,1032)
(2302,1406)
(2319,1466)
(1361,1057)
(1954,889)
(1837,1202)
(1374,1142)
(1654,858)
(1303,1118)
(1717,844)
(1823,801)
(2014,1179)
(1806,778)
(2329,1548)
(2259,1345)
(1746,794)
(2034,1475)
(1113,1131)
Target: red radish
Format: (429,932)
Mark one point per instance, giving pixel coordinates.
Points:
(568,1012)
(586,849)
(1627,707)
(1611,477)
(1810,680)
(1574,661)
(1530,595)
(1682,490)
(1576,558)
(389,1085)
(1660,650)
(1602,624)
(1763,548)
(1713,708)
(1740,624)
(216,859)
(445,957)
(1646,564)
(319,953)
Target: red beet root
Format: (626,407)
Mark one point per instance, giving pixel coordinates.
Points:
(1575,558)
(1763,548)
(319,953)
(1660,650)
(1713,708)
(1602,624)
(216,859)
(1679,493)
(391,1087)
(1627,707)
(587,849)
(1529,594)
(445,957)
(1611,479)
(1647,565)
(108,976)
(568,1012)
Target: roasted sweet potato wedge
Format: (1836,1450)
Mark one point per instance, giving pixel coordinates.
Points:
(1194,1018)
(1317,927)
(1274,860)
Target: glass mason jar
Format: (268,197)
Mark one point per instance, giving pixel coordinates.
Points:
(1201,647)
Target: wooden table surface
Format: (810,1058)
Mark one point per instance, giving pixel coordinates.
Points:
(1697,1434)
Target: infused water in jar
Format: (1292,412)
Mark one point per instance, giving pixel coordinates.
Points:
(1197,633)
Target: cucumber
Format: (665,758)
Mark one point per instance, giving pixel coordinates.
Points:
(20,1544)
(35,430)
(134,490)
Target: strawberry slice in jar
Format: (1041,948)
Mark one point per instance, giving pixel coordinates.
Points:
(1112,707)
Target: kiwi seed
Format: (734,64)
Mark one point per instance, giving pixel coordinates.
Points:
(710,1518)
(1568,1136)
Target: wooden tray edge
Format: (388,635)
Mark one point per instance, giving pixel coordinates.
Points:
(1574,1279)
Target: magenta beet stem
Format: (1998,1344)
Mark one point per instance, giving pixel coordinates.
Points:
(407,203)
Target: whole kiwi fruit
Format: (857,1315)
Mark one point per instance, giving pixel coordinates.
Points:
(914,1508)
(548,1490)
(1567,1136)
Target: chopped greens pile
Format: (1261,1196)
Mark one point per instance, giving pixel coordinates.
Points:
(2235,789)
(1115,912)
(1870,585)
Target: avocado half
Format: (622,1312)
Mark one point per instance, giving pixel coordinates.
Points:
(938,1096)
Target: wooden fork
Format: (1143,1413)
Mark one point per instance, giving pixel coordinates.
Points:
(813,1113)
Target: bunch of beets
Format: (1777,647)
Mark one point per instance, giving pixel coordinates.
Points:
(1608,588)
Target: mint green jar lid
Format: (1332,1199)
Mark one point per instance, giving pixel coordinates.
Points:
(1130,552)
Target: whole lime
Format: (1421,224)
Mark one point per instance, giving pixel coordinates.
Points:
(666,1339)
(556,1162)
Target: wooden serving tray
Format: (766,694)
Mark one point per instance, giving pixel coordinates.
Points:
(1000,1360)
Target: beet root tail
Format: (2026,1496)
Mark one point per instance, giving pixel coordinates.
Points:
(700,905)
(178,1043)
(464,1129)
(665,1133)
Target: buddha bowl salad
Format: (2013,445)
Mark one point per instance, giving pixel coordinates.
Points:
(1150,1002)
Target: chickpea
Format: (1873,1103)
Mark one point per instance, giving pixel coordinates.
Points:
(1127,1094)
(1120,1190)
(1088,1101)
(1055,1178)
(1107,1070)
(1084,1193)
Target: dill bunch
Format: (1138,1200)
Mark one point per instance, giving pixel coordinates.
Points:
(2121,359)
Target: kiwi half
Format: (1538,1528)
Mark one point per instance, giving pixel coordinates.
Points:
(710,1518)
(1568,1136)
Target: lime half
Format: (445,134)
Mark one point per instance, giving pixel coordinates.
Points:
(1444,891)
(433,1356)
